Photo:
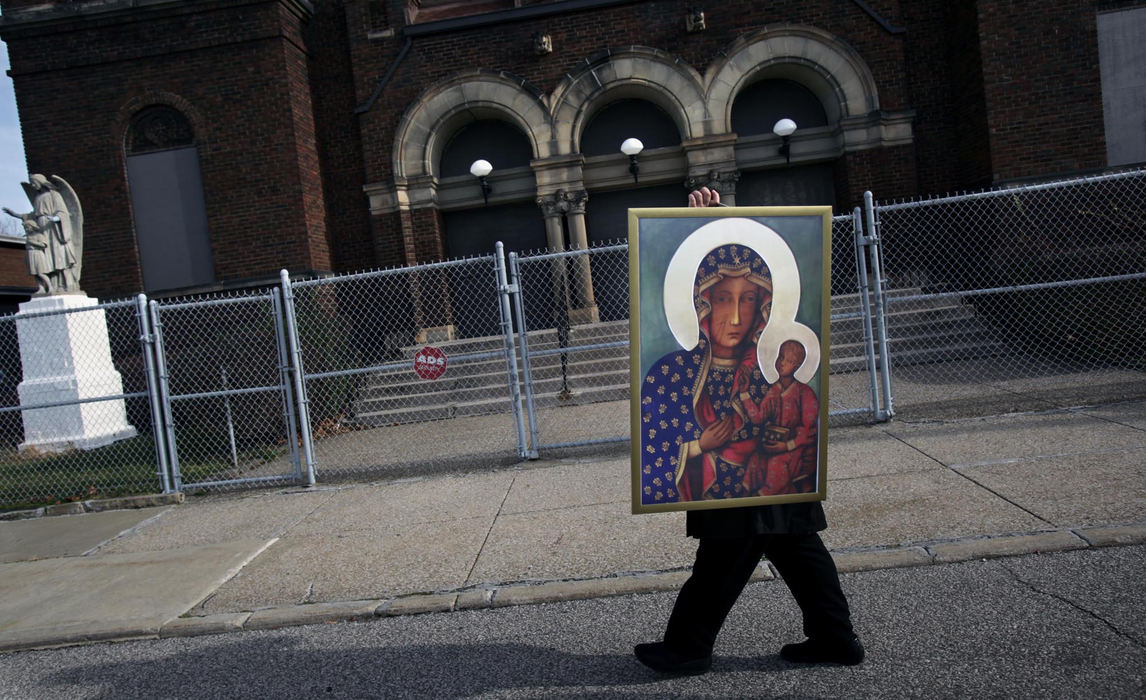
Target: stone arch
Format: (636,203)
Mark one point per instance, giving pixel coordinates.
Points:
(467,97)
(823,63)
(637,72)
(136,103)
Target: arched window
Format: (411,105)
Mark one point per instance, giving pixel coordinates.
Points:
(760,105)
(167,200)
(499,142)
(628,118)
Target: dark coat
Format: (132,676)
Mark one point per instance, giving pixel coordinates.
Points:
(783,519)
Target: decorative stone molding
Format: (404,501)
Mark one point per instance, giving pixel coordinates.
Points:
(711,154)
(444,108)
(878,129)
(563,202)
(134,104)
(416,192)
(820,61)
(636,71)
(723,182)
(559,173)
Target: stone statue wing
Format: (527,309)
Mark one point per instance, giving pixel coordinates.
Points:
(30,192)
(72,202)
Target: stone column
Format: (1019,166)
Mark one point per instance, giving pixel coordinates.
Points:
(559,207)
(585,310)
(553,210)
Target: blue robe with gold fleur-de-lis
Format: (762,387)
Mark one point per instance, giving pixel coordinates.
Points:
(683,393)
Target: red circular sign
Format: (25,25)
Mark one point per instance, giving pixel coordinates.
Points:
(430,363)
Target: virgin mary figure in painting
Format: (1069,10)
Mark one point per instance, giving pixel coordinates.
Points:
(696,433)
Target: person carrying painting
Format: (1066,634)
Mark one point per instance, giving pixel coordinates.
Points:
(731,543)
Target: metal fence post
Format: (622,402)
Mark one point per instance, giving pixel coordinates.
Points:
(864,289)
(872,237)
(165,394)
(284,380)
(526,366)
(504,290)
(147,356)
(299,381)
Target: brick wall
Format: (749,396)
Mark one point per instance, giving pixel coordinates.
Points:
(1041,85)
(240,73)
(339,140)
(14,267)
(1001,89)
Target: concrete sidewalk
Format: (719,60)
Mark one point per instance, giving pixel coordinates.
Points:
(900,494)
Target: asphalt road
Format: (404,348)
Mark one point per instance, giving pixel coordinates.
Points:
(1070,624)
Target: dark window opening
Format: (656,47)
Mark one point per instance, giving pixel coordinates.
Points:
(760,105)
(501,143)
(628,118)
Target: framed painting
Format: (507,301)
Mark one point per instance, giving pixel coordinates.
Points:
(729,356)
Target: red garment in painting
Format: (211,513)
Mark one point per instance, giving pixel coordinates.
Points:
(794,411)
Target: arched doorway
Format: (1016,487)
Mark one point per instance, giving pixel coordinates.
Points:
(606,217)
(474,229)
(755,111)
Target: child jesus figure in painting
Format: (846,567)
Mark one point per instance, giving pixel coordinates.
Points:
(789,412)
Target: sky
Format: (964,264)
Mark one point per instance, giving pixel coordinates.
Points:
(13,170)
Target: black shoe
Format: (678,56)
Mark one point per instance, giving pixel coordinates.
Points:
(811,651)
(658,657)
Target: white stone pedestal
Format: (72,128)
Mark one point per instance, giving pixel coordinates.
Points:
(67,357)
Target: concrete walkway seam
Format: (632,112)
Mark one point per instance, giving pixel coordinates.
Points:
(560,591)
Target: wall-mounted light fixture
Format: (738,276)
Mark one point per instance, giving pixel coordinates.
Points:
(480,169)
(631,147)
(784,129)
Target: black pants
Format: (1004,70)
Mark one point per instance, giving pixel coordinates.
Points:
(722,569)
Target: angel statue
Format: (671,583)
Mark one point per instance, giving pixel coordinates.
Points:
(54,234)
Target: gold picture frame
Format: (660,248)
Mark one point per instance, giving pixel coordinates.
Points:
(729,337)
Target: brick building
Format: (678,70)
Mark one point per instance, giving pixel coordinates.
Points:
(214,142)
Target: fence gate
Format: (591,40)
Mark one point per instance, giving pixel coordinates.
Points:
(572,314)
(406,369)
(225,387)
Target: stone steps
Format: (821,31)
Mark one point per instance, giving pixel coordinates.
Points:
(920,331)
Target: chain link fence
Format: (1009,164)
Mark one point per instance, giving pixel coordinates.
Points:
(229,413)
(1012,299)
(573,307)
(407,368)
(573,321)
(1019,298)
(75,409)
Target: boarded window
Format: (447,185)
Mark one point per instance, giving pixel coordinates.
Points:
(1122,65)
(167,201)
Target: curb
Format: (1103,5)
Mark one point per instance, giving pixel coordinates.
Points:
(636,583)
(96,506)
